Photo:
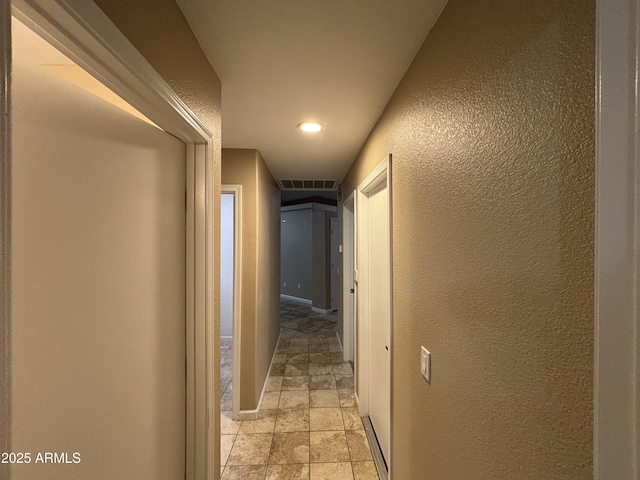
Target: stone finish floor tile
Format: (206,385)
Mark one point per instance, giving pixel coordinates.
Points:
(342,369)
(322,382)
(228,426)
(250,449)
(294,399)
(324,398)
(279,358)
(358,445)
(291,471)
(364,471)
(292,420)
(289,448)
(245,472)
(328,447)
(325,419)
(299,382)
(274,384)
(352,420)
(331,471)
(263,424)
(320,369)
(277,370)
(294,369)
(347,398)
(318,348)
(226,444)
(311,433)
(298,357)
(270,400)
(321,358)
(344,382)
(298,349)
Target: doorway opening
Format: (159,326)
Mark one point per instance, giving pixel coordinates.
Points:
(230,299)
(348,287)
(374,319)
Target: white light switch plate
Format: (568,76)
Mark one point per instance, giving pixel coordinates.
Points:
(425,363)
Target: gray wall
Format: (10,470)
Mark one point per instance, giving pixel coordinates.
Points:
(296,254)
(306,253)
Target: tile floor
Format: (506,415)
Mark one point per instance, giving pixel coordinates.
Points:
(309,427)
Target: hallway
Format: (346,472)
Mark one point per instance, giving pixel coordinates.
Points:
(309,426)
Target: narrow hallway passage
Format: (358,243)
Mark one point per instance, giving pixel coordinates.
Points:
(309,427)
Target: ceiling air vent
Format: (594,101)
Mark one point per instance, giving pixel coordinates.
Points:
(307,184)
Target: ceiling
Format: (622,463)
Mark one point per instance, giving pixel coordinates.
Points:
(283,62)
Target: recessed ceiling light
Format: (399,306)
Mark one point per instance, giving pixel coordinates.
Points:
(310,127)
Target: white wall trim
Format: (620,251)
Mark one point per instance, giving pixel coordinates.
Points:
(5,232)
(254,414)
(236,190)
(296,299)
(316,207)
(323,311)
(617,241)
(85,34)
(339,342)
(82,31)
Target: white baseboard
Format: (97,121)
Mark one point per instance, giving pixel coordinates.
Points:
(321,310)
(254,414)
(248,414)
(296,299)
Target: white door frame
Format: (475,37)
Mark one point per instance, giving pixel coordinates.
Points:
(380,174)
(617,243)
(236,191)
(348,264)
(5,230)
(80,30)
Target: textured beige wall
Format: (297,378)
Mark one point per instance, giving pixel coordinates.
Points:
(260,309)
(239,168)
(492,136)
(268,300)
(98,339)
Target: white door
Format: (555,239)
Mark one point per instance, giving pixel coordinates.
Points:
(379,317)
(373,322)
(335,264)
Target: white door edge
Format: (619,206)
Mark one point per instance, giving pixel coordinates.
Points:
(380,174)
(617,242)
(236,191)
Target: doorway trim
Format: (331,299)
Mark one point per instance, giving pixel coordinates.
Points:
(86,35)
(236,191)
(348,266)
(381,174)
(617,258)
(5,228)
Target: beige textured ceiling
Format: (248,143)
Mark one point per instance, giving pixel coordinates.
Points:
(282,62)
